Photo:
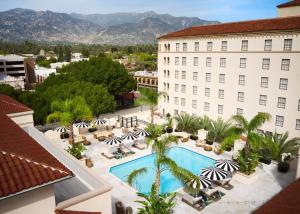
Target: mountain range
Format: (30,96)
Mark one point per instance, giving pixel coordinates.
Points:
(116,28)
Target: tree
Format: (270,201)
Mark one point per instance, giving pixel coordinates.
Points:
(221,129)
(60,54)
(149,97)
(67,54)
(85,53)
(66,112)
(188,123)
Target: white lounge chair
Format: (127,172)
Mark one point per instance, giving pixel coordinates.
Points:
(108,155)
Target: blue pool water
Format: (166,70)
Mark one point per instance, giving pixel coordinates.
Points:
(185,158)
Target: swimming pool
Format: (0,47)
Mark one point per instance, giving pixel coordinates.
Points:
(185,158)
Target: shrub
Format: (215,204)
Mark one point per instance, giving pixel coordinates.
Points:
(76,149)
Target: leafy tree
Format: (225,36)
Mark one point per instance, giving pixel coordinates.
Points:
(85,53)
(67,54)
(9,90)
(60,54)
(76,149)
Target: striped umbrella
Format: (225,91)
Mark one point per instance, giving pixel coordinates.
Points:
(142,133)
(227,165)
(214,174)
(203,181)
(113,141)
(100,121)
(62,129)
(82,125)
(129,137)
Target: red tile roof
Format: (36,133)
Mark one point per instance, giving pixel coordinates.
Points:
(74,212)
(289,4)
(287,201)
(8,105)
(262,25)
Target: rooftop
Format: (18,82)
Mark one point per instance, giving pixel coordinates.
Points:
(146,73)
(11,57)
(289,4)
(262,25)
(8,105)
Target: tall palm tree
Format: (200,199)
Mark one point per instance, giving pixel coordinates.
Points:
(67,111)
(149,97)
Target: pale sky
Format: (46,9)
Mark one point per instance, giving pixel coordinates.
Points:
(220,10)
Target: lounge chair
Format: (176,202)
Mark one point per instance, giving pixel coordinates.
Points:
(200,143)
(212,194)
(125,150)
(140,146)
(195,202)
(224,184)
(108,155)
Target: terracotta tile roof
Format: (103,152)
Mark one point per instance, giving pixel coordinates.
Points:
(287,201)
(262,25)
(24,163)
(74,212)
(290,4)
(8,105)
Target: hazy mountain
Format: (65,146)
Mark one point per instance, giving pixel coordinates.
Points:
(118,28)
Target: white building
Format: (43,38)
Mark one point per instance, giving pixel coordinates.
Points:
(76,57)
(42,73)
(235,68)
(146,79)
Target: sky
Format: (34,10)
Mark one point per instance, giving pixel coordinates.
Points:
(220,10)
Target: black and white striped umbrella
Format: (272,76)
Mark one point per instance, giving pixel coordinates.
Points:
(227,165)
(214,174)
(142,133)
(203,181)
(113,141)
(82,125)
(62,129)
(100,121)
(129,137)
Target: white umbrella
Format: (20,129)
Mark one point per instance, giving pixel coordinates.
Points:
(129,137)
(82,125)
(113,141)
(100,121)
(62,129)
(214,174)
(227,165)
(204,183)
(142,133)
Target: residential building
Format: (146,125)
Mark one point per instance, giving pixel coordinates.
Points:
(148,79)
(259,58)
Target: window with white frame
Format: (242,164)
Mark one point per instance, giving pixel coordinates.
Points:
(285,64)
(298,105)
(168,60)
(176,100)
(183,88)
(268,45)
(263,100)
(176,60)
(243,62)
(195,61)
(165,86)
(222,62)
(206,106)
(183,75)
(221,78)
(184,47)
(176,74)
(209,46)
(207,92)
(220,109)
(288,44)
(183,60)
(165,73)
(240,96)
(194,104)
(168,99)
(176,87)
(266,63)
(221,94)
(177,47)
(264,81)
(196,46)
(195,90)
(239,111)
(281,102)
(168,86)
(297,124)
(182,101)
(244,45)
(283,84)
(168,73)
(165,60)
(224,46)
(208,61)
(279,121)
(195,76)
(242,79)
(208,77)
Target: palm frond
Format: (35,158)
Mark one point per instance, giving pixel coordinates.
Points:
(134,174)
(258,120)
(241,120)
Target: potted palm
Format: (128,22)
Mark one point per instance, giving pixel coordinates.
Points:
(169,126)
(283,165)
(210,139)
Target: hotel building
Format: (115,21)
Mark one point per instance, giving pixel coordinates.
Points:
(235,68)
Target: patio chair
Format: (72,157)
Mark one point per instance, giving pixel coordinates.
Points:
(200,143)
(125,150)
(108,155)
(195,202)
(224,183)
(212,194)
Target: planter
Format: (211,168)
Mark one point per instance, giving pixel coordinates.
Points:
(64,135)
(164,131)
(246,179)
(169,130)
(89,163)
(193,137)
(283,167)
(176,130)
(92,130)
(265,161)
(209,142)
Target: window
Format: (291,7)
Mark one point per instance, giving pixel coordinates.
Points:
(208,61)
(241,79)
(221,78)
(195,90)
(285,64)
(196,46)
(168,86)
(195,76)
(288,44)
(209,46)
(168,73)
(195,61)
(182,101)
(264,82)
(183,60)
(243,62)
(206,106)
(283,83)
(183,88)
(281,102)
(222,62)
(241,96)
(220,109)
(263,100)
(298,105)
(266,64)
(176,112)
(268,45)
(184,47)
(279,121)
(221,94)
(176,60)
(176,74)
(208,77)
(176,88)
(244,45)
(224,46)
(297,124)
(176,100)
(165,86)
(165,73)
(168,60)
(239,111)
(183,75)
(177,47)
(165,60)
(207,92)
(194,104)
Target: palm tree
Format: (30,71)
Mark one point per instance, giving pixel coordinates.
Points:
(188,123)
(149,97)
(205,122)
(220,129)
(66,112)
